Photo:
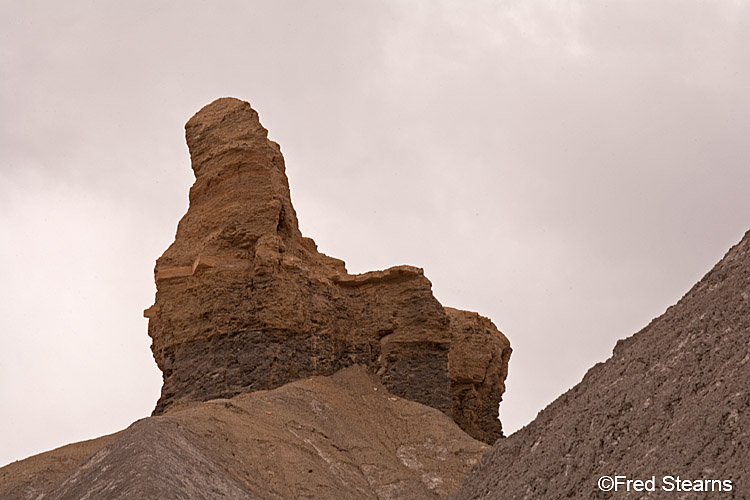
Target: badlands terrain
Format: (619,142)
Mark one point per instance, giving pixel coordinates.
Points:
(284,376)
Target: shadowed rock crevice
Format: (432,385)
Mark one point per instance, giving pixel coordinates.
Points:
(244,302)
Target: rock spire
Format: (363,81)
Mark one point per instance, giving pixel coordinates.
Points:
(244,302)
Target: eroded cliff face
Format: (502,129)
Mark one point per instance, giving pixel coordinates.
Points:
(244,302)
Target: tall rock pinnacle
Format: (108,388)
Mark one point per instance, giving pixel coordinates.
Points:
(244,302)
(241,192)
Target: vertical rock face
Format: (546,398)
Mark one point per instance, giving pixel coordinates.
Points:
(244,302)
(478,363)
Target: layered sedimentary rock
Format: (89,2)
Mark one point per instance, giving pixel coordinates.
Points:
(244,302)
(478,362)
(334,437)
(673,400)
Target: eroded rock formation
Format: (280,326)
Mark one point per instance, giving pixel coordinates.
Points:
(244,302)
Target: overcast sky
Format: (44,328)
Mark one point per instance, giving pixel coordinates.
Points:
(568,169)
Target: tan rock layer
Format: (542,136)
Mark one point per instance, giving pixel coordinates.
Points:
(245,303)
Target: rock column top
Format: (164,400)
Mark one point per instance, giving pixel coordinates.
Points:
(225,124)
(241,193)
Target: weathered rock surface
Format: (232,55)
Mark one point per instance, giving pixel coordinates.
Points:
(478,361)
(244,302)
(343,436)
(31,478)
(674,399)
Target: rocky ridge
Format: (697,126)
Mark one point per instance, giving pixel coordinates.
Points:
(673,400)
(342,436)
(244,302)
